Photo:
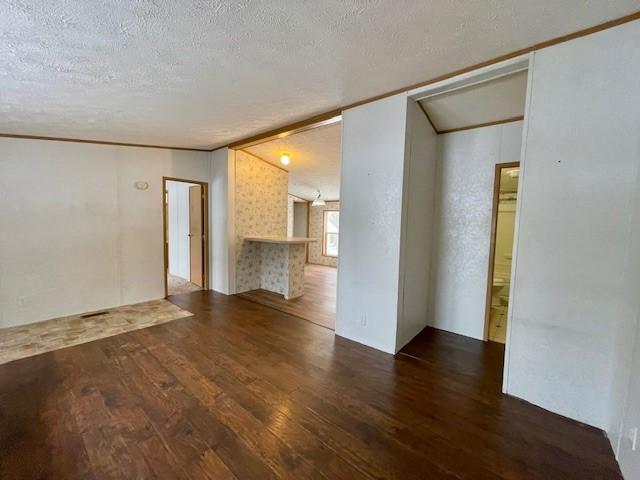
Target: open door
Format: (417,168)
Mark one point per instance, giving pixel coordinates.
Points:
(196,237)
(505,195)
(186,252)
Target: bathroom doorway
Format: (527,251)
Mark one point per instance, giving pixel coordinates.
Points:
(185,236)
(505,197)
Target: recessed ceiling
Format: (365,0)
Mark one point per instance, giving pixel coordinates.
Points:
(203,74)
(315,160)
(491,101)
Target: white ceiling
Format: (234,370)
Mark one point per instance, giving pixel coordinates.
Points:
(491,101)
(315,161)
(203,73)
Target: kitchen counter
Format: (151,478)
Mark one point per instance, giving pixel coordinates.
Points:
(283,240)
(281,263)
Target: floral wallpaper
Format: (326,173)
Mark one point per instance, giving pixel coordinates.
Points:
(316,225)
(261,210)
(297,259)
(274,264)
(282,268)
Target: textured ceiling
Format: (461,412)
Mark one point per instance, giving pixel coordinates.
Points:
(490,101)
(203,73)
(315,161)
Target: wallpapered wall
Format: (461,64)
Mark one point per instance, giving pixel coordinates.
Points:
(316,224)
(282,269)
(261,210)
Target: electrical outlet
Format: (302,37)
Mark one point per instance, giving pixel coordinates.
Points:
(22,301)
(633,435)
(363,320)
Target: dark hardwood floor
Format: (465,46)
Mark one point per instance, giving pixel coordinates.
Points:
(317,305)
(244,391)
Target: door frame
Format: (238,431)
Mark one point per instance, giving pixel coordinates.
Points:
(205,230)
(492,242)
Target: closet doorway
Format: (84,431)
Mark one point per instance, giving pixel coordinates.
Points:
(505,197)
(185,235)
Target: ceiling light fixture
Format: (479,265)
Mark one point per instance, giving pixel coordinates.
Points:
(318,202)
(285,159)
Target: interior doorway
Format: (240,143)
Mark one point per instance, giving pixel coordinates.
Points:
(505,197)
(288,196)
(185,235)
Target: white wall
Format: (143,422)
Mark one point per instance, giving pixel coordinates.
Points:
(222,224)
(625,387)
(373,149)
(629,459)
(300,211)
(418,205)
(300,222)
(178,226)
(75,235)
(464,201)
(570,290)
(290,203)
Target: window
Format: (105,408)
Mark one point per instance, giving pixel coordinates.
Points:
(331,232)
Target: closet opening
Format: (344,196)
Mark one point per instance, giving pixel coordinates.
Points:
(465,138)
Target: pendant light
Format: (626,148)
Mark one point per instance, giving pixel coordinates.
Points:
(318,202)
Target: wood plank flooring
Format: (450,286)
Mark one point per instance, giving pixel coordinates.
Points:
(317,305)
(242,391)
